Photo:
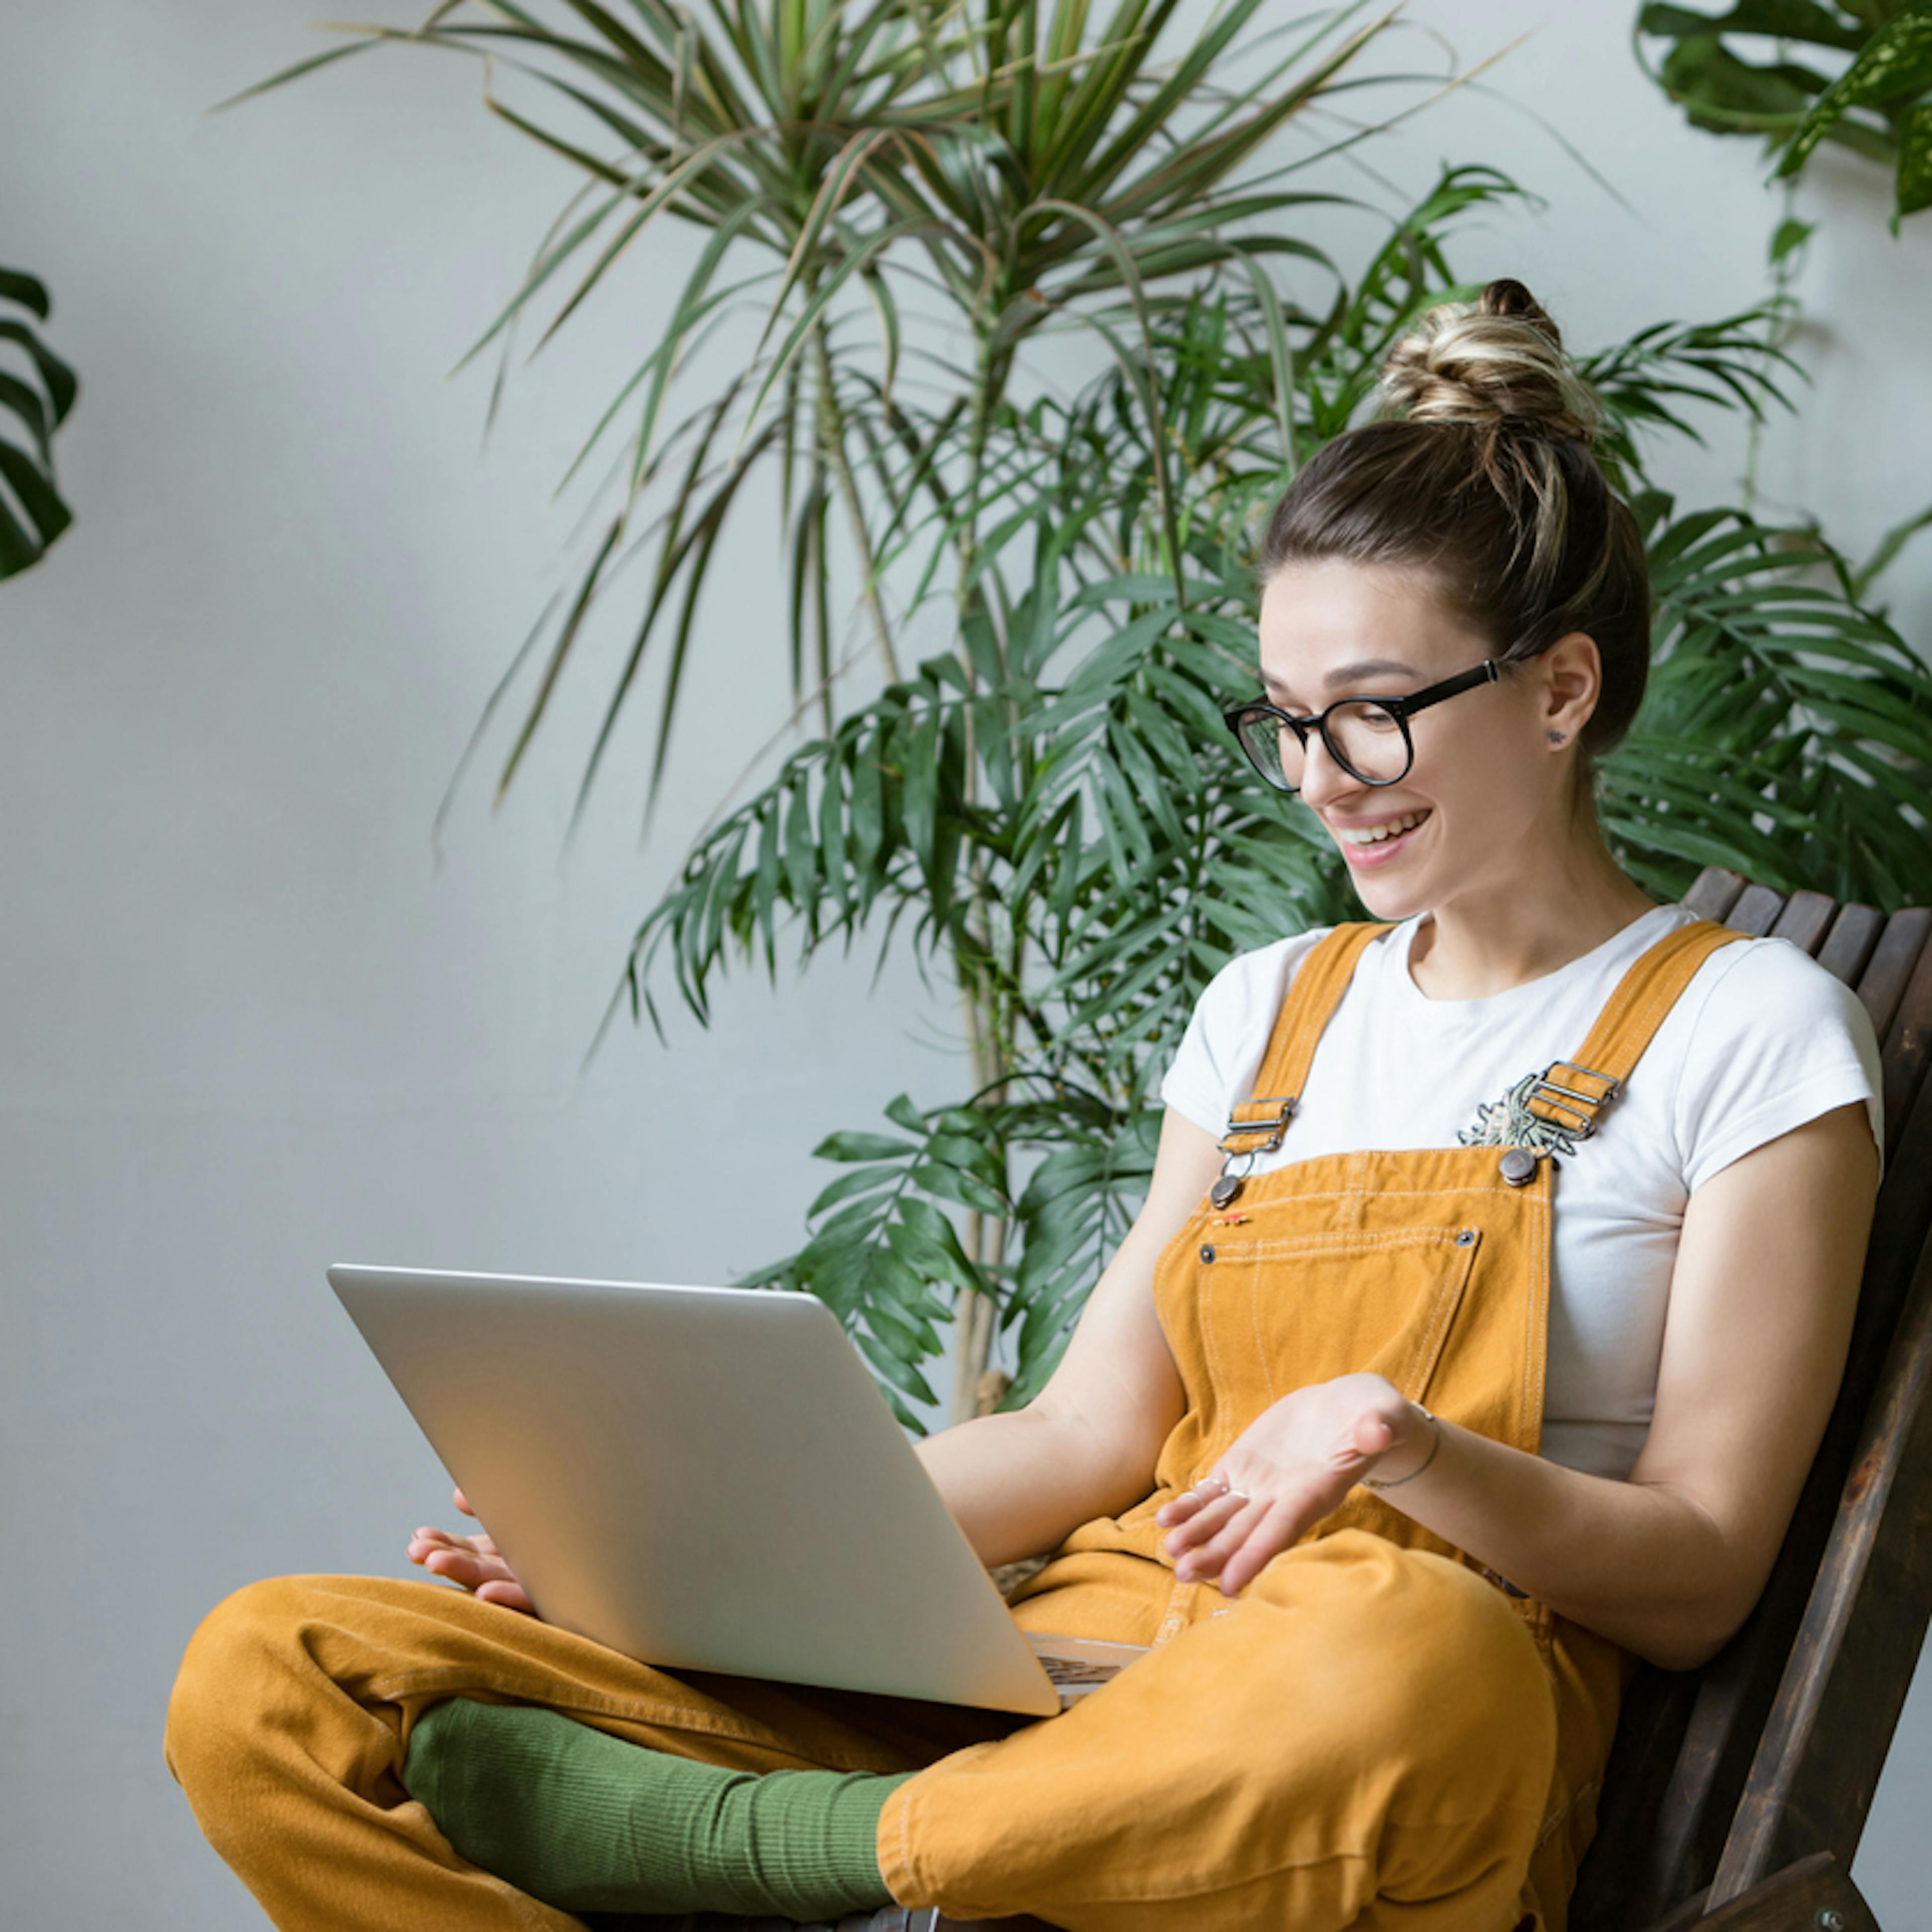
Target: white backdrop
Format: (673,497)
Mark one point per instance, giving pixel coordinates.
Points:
(248,1026)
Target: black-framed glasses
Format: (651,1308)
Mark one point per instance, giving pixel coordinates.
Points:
(1368,737)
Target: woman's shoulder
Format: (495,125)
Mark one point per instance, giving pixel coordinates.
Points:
(1249,988)
(1269,968)
(1753,984)
(1230,1025)
(1766,1038)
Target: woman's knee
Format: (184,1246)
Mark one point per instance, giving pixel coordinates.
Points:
(1450,1680)
(1411,1661)
(240,1665)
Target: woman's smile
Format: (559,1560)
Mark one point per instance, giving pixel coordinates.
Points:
(1376,842)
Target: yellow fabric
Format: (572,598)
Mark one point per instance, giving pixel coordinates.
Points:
(1376,1734)
(293,1708)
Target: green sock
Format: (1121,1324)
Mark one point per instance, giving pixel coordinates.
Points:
(587,1822)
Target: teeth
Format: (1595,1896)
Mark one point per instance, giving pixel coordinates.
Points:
(1374,835)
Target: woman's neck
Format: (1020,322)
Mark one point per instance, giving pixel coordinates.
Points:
(1496,937)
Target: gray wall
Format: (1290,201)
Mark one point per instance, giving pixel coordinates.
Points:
(248,1025)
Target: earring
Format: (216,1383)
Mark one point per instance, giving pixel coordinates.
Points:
(1556,737)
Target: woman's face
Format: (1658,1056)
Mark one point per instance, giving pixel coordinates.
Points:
(1487,786)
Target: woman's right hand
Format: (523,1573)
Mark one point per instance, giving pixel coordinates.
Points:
(473,1562)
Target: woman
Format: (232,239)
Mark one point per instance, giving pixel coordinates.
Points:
(1439,1380)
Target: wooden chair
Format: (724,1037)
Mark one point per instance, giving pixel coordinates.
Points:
(1735,1794)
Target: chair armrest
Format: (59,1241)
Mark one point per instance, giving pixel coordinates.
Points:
(1813,1893)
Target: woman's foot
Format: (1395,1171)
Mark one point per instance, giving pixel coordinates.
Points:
(586,1822)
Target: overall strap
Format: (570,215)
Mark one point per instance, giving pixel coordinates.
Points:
(1256,1126)
(1569,1093)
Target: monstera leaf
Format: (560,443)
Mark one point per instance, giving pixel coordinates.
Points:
(36,390)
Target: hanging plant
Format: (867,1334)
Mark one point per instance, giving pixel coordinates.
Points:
(1878,104)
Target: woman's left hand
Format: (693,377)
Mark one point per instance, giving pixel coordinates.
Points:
(1292,1465)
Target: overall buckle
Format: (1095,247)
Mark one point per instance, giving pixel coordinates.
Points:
(1272,1126)
(1571,1108)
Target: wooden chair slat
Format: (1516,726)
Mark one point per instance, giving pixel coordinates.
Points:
(1906,1046)
(1755,911)
(1883,982)
(1687,1914)
(1657,1789)
(1713,892)
(1805,920)
(1848,945)
(1815,1893)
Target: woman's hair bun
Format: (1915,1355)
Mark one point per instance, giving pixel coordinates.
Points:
(1495,362)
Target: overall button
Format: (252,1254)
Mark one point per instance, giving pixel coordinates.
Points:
(1468,1235)
(1519,1166)
(1206,1254)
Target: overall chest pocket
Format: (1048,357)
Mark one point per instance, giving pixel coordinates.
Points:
(1278,1314)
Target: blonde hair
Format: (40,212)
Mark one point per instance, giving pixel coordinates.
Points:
(1486,362)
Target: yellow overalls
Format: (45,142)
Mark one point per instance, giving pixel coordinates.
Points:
(1377,1732)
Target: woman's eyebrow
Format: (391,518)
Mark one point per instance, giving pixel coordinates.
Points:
(1349,673)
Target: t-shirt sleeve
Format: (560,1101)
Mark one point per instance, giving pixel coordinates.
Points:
(1214,1066)
(1777,1042)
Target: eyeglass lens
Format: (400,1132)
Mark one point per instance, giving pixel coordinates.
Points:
(1365,740)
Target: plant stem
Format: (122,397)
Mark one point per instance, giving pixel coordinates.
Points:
(973,951)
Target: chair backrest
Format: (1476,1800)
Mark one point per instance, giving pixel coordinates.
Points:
(1721,1776)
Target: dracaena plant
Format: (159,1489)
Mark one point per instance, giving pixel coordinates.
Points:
(36,390)
(1017,164)
(1112,853)
(1020,163)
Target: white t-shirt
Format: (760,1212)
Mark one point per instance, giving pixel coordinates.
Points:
(1762,1040)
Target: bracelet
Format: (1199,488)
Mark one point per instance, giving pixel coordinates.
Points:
(1368,1482)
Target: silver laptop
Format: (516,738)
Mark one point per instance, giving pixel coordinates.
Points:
(708,1478)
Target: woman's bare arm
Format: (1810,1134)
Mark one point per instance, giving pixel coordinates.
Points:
(1086,1445)
(1669,1562)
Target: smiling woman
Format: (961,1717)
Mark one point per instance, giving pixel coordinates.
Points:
(1394,1453)
(1490,794)
(1478,528)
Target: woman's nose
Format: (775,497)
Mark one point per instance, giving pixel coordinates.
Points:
(1324,780)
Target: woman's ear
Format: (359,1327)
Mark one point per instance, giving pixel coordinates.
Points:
(1572,681)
